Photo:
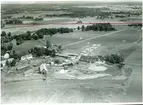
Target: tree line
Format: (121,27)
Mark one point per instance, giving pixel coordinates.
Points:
(97,27)
(139,25)
(13,21)
(6,38)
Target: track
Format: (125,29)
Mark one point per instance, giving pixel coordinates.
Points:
(111,33)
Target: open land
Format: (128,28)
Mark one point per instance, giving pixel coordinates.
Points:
(78,84)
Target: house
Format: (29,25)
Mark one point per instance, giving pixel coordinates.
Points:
(3,62)
(43,68)
(27,57)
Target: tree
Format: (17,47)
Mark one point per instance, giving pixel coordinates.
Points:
(59,49)
(53,53)
(9,34)
(114,59)
(15,55)
(40,35)
(3,33)
(120,65)
(48,44)
(83,27)
(19,41)
(7,63)
(35,36)
(78,28)
(57,61)
(9,46)
(13,63)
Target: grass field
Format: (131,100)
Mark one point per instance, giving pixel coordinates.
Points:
(130,35)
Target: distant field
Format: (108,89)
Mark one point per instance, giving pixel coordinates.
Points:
(56,22)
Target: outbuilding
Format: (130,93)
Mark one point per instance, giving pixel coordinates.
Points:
(27,57)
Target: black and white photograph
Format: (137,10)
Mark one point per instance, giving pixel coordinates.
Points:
(71,51)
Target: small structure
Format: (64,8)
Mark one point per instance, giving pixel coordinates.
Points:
(6,56)
(27,57)
(40,46)
(97,68)
(43,68)
(3,62)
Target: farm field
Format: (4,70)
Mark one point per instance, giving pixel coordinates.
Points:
(70,74)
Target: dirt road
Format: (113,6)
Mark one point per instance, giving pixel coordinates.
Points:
(111,33)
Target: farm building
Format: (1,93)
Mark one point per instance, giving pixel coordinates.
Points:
(3,62)
(27,57)
(88,58)
(43,68)
(97,68)
(6,56)
(22,67)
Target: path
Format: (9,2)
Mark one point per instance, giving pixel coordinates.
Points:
(111,33)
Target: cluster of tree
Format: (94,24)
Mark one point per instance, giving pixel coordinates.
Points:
(58,15)
(6,37)
(81,12)
(13,21)
(48,51)
(28,17)
(52,31)
(98,27)
(136,25)
(27,36)
(120,16)
(38,18)
(6,47)
(39,34)
(114,58)
(2,24)
(12,63)
(17,54)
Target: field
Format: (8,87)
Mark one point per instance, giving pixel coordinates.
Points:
(56,90)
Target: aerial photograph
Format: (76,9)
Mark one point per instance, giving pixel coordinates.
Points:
(71,51)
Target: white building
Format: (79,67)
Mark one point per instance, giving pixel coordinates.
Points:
(43,68)
(6,56)
(27,57)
